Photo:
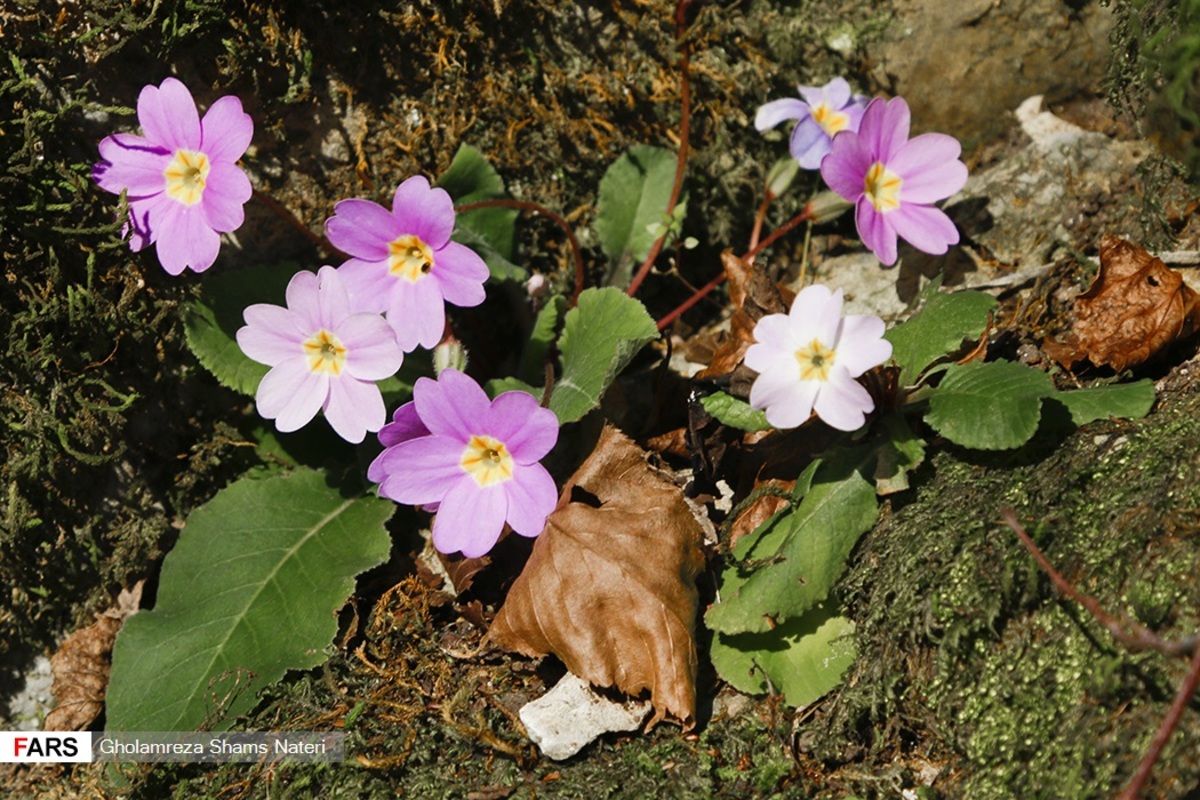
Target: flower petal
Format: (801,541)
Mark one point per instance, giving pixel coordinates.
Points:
(371,350)
(424,212)
(815,314)
(184,239)
(527,430)
(270,335)
(417,313)
(131,164)
(774,331)
(929,168)
(837,93)
(226,191)
(226,130)
(454,405)
(845,167)
(368,283)
(771,114)
(333,303)
(470,519)
(291,394)
(532,495)
(406,424)
(809,143)
(924,227)
(787,400)
(362,229)
(168,115)
(876,233)
(302,297)
(884,127)
(422,470)
(861,345)
(460,274)
(843,403)
(354,407)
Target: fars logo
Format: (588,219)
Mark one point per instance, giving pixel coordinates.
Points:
(45,747)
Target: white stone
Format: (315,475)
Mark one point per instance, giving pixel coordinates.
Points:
(565,719)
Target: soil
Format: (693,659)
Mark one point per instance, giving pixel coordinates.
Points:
(974,678)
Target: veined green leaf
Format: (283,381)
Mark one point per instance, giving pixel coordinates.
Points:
(790,563)
(251,590)
(989,406)
(940,327)
(1128,400)
(804,657)
(634,193)
(601,335)
(491,232)
(734,412)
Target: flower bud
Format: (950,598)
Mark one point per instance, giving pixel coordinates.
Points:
(450,354)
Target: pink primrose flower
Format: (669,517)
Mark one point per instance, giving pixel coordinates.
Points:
(477,460)
(404,263)
(894,181)
(323,357)
(824,112)
(181,177)
(808,360)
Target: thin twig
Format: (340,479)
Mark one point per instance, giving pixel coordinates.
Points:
(1124,630)
(1135,638)
(685,124)
(1170,722)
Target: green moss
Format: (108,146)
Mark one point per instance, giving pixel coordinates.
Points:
(966,648)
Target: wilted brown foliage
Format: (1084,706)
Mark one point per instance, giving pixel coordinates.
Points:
(610,586)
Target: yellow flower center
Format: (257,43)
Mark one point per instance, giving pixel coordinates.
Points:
(325,352)
(487,460)
(829,119)
(186,175)
(409,258)
(882,187)
(815,361)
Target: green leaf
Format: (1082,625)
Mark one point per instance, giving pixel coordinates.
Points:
(902,452)
(634,194)
(735,412)
(491,232)
(804,658)
(940,327)
(790,563)
(1129,400)
(251,590)
(498,386)
(989,406)
(545,328)
(601,335)
(211,323)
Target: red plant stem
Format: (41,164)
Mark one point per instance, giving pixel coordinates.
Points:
(758,222)
(685,124)
(1170,722)
(290,218)
(699,295)
(1126,631)
(576,251)
(804,216)
(748,257)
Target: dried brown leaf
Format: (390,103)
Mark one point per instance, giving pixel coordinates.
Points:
(1136,307)
(80,667)
(610,588)
(753,296)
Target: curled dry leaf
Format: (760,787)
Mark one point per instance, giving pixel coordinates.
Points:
(610,587)
(753,296)
(1135,308)
(80,666)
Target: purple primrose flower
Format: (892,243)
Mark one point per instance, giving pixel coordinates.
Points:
(322,355)
(403,262)
(824,112)
(476,460)
(808,360)
(894,181)
(181,178)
